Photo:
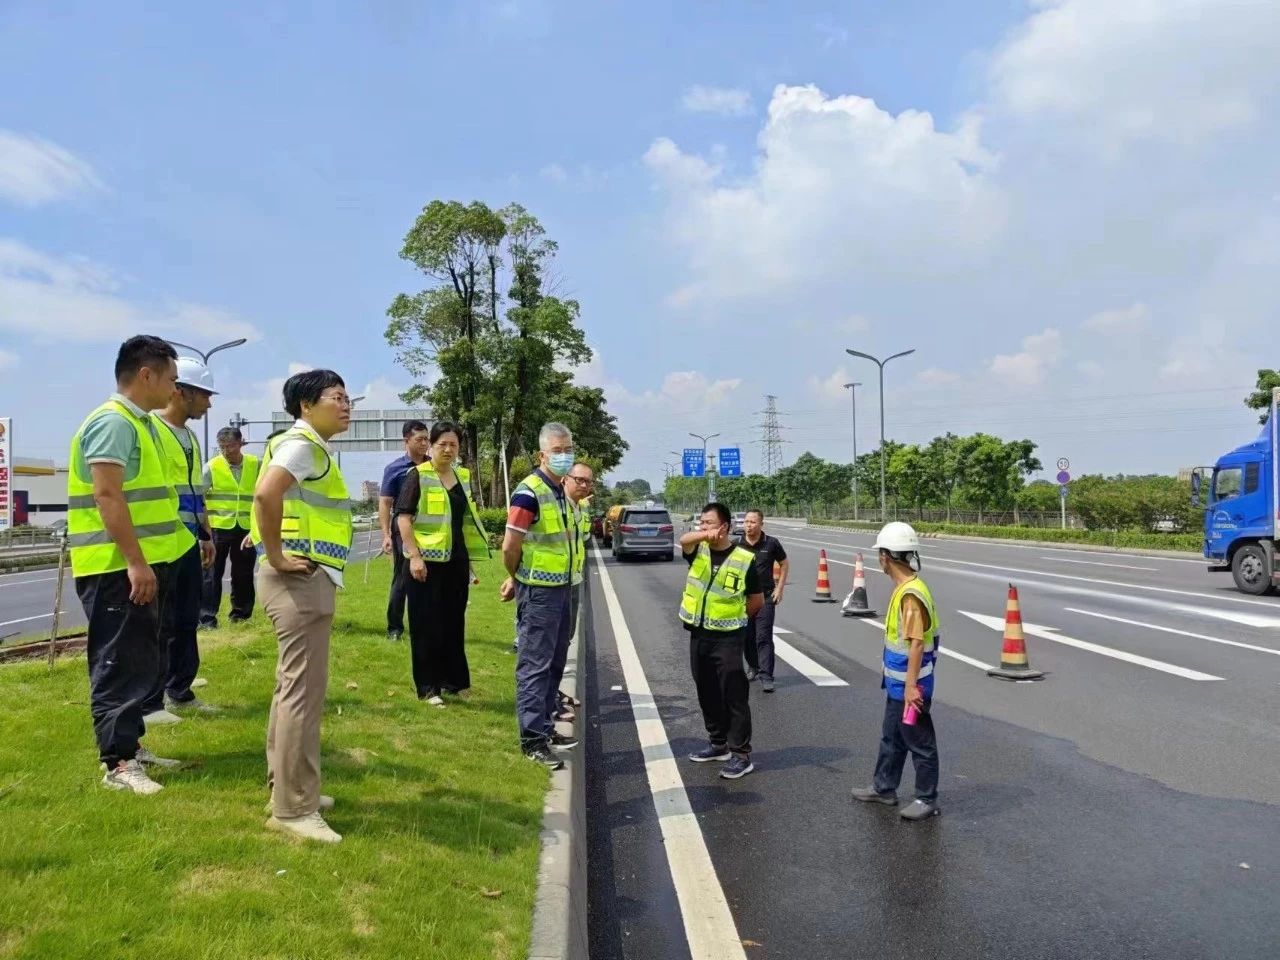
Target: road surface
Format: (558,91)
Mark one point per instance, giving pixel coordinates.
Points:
(1124,807)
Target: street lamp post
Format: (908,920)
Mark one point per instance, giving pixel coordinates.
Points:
(853,395)
(711,477)
(881,364)
(204,358)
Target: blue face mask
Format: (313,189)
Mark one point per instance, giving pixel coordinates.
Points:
(560,463)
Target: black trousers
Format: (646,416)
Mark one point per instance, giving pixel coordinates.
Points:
(897,739)
(179,651)
(437,627)
(723,689)
(226,547)
(758,645)
(126,656)
(399,574)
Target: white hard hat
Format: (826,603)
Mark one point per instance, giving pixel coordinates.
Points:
(193,373)
(898,537)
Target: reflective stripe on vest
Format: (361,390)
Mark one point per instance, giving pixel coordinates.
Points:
(316,518)
(582,530)
(433,523)
(897,648)
(185,475)
(229,502)
(717,602)
(150,497)
(546,556)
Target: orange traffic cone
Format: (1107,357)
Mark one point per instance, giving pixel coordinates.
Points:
(1013,655)
(855,605)
(822,593)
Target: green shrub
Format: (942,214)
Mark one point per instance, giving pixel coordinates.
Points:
(1129,539)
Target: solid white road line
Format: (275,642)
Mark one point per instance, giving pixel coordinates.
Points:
(944,650)
(803,664)
(1049,633)
(1099,563)
(1180,633)
(23,583)
(708,923)
(38,616)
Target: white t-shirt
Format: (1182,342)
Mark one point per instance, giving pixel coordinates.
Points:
(305,461)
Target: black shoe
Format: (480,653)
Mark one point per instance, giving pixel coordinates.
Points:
(737,768)
(209,623)
(237,618)
(872,795)
(766,684)
(562,741)
(541,754)
(395,635)
(710,754)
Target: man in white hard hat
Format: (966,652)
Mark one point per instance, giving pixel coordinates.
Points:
(180,619)
(910,645)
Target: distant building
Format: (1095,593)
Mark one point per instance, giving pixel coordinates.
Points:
(39,492)
(369,490)
(1184,474)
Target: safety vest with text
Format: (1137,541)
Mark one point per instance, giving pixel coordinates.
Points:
(433,525)
(316,521)
(897,647)
(547,554)
(150,497)
(717,601)
(228,501)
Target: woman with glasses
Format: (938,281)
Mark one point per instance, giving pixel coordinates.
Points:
(442,533)
(301,527)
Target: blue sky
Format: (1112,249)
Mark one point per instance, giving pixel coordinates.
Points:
(1069,208)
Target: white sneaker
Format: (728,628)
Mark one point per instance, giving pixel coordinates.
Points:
(130,776)
(326,803)
(310,827)
(149,759)
(436,701)
(160,718)
(194,705)
(199,682)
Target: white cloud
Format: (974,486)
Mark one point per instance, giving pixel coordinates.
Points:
(1179,71)
(840,186)
(830,388)
(34,171)
(934,376)
(1124,320)
(726,101)
(380,394)
(64,299)
(554,172)
(1040,352)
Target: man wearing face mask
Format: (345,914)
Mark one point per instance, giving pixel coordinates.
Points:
(538,552)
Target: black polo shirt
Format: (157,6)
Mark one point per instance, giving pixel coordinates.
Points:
(767,551)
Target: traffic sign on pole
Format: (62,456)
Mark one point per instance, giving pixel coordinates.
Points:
(1064,463)
(694,462)
(1063,477)
(730,462)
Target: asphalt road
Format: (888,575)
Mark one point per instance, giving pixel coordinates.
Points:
(1109,810)
(26,598)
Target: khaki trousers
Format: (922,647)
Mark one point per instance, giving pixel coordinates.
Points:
(301,607)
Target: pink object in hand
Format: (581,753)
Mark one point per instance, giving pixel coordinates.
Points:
(911,715)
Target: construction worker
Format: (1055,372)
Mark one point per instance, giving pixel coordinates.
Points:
(417,447)
(229,479)
(910,645)
(301,527)
(180,448)
(538,553)
(721,595)
(758,648)
(123,532)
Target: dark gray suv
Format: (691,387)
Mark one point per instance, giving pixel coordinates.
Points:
(644,532)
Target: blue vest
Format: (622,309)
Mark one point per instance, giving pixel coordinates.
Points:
(897,647)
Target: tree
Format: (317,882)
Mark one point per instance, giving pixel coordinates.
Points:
(583,410)
(1260,399)
(914,479)
(945,455)
(994,471)
(813,480)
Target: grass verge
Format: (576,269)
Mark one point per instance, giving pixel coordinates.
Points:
(439,811)
(1121,539)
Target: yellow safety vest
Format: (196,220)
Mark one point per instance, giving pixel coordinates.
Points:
(546,556)
(582,532)
(228,502)
(317,513)
(717,603)
(433,525)
(897,647)
(186,477)
(150,497)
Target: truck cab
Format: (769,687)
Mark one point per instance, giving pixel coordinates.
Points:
(1240,518)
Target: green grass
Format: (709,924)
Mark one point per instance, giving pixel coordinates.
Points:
(1121,539)
(439,811)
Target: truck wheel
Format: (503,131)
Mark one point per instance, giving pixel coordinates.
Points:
(1249,569)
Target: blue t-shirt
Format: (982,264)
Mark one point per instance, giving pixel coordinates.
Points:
(392,480)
